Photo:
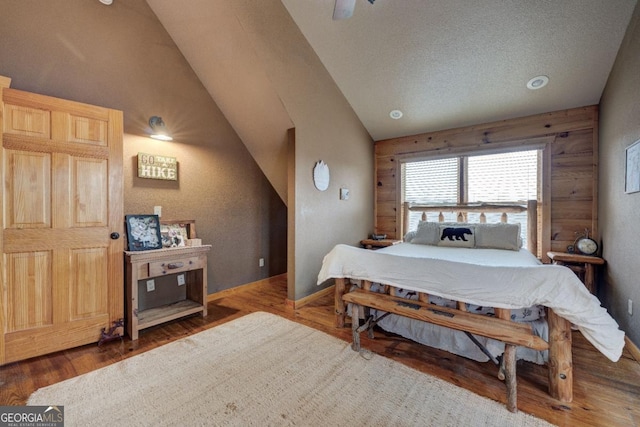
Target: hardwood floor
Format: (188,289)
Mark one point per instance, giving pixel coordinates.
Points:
(605,393)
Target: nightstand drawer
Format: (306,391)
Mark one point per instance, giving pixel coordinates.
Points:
(177,265)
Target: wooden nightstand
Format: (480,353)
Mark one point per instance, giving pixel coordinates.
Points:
(582,265)
(377,244)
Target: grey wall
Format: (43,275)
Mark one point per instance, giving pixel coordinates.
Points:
(326,128)
(619,212)
(121,57)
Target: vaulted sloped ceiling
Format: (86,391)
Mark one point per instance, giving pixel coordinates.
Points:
(219,48)
(444,63)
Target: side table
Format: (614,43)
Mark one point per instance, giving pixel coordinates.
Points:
(580,264)
(377,244)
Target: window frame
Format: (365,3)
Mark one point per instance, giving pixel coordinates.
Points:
(543,177)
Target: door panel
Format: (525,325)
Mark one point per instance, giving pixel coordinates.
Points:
(29,281)
(27,178)
(88,290)
(62,184)
(27,121)
(89,187)
(86,130)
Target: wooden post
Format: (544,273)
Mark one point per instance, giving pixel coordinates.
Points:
(589,277)
(532,226)
(355,324)
(502,313)
(510,377)
(560,359)
(339,303)
(404,227)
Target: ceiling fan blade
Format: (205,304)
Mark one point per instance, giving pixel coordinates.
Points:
(343,9)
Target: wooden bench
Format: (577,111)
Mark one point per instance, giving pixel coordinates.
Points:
(512,334)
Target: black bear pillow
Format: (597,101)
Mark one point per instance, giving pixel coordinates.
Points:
(461,237)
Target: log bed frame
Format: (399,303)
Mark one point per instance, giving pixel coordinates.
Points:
(500,328)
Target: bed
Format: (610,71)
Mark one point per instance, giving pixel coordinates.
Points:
(486,288)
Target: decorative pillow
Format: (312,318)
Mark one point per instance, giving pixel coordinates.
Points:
(498,236)
(427,233)
(409,236)
(459,235)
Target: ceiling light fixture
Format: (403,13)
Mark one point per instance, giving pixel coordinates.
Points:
(537,82)
(159,129)
(107,2)
(395,114)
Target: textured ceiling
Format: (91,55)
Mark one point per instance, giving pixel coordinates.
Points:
(444,63)
(451,63)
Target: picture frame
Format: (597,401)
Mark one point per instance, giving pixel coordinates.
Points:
(143,232)
(632,168)
(174,235)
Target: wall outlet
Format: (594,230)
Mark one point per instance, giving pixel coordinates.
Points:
(181,281)
(630,307)
(151,285)
(157,210)
(261,262)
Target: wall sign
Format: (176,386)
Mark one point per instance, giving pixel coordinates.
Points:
(632,178)
(321,175)
(154,166)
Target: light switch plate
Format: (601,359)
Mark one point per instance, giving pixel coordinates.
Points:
(344,194)
(157,210)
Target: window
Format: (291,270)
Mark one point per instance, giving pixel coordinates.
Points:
(491,178)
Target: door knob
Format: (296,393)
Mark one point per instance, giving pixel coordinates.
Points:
(115,235)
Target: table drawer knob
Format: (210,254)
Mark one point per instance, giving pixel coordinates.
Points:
(174,265)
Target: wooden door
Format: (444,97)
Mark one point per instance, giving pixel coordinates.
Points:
(62,269)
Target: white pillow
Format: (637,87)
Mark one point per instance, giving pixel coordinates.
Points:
(409,236)
(498,236)
(427,233)
(459,235)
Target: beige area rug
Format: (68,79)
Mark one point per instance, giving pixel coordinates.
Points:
(264,370)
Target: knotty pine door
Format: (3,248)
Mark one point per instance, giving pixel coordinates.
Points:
(62,266)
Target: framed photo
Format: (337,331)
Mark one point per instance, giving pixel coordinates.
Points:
(174,235)
(632,176)
(143,232)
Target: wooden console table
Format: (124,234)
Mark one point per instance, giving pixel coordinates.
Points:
(188,264)
(585,264)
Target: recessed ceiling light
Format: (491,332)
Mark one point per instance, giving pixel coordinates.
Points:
(537,82)
(395,114)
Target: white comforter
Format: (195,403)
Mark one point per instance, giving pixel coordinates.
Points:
(494,279)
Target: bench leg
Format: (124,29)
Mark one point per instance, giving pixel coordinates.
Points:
(355,324)
(338,302)
(510,377)
(560,358)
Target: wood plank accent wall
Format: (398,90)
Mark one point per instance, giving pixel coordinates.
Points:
(569,174)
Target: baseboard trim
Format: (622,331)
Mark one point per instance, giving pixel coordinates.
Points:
(310,298)
(236,289)
(633,349)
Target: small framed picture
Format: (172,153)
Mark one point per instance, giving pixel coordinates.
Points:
(632,176)
(143,232)
(174,235)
